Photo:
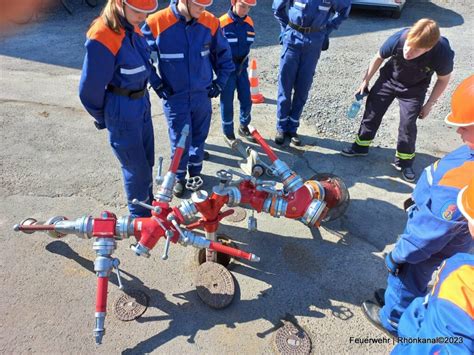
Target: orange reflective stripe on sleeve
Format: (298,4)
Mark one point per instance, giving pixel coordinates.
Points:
(160,21)
(101,33)
(210,21)
(458,288)
(458,177)
(225,20)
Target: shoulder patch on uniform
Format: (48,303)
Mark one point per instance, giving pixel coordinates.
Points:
(450,211)
(249,21)
(160,21)
(458,177)
(101,33)
(225,20)
(210,21)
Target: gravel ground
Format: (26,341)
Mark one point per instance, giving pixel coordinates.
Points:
(54,162)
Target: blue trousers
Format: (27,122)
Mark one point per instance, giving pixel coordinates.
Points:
(133,144)
(195,110)
(242,84)
(297,68)
(411,282)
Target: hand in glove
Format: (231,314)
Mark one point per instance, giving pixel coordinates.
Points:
(163,91)
(392,266)
(215,90)
(99,125)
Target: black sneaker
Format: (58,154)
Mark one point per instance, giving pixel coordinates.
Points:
(295,139)
(408,174)
(350,152)
(178,188)
(244,132)
(206,155)
(280,138)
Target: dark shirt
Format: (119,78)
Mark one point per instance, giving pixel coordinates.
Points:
(418,71)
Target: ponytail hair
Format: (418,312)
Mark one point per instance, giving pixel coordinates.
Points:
(110,15)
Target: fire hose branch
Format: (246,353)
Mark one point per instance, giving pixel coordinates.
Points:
(190,238)
(103,265)
(178,153)
(100,308)
(291,181)
(263,143)
(236,253)
(165,190)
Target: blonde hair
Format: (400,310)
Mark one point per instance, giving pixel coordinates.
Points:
(110,15)
(424,34)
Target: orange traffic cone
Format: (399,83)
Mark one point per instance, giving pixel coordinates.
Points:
(257,98)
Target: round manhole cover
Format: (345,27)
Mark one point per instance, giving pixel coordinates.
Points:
(291,340)
(130,305)
(238,215)
(215,285)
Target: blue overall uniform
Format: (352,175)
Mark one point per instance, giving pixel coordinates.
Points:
(407,81)
(240,34)
(188,53)
(121,62)
(447,312)
(305,24)
(436,230)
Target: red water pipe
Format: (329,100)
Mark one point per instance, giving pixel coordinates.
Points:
(101,296)
(263,143)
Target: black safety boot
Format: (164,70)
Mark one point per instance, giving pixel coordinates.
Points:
(244,132)
(179,188)
(280,138)
(371,312)
(379,296)
(206,155)
(295,138)
(354,151)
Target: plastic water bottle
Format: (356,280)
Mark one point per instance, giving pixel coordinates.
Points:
(355,107)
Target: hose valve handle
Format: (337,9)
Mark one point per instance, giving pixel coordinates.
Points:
(172,219)
(155,209)
(224,176)
(115,265)
(194,183)
(169,235)
(159,177)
